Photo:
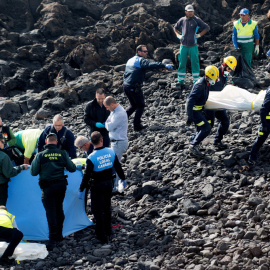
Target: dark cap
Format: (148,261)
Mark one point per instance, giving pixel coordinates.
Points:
(51,134)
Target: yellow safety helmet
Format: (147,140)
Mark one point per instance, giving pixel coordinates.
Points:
(212,72)
(231,62)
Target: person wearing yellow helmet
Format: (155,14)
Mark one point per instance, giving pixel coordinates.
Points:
(225,69)
(195,108)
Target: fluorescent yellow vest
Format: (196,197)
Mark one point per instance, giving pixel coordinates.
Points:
(245,33)
(6,219)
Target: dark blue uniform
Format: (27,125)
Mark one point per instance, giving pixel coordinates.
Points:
(134,75)
(195,103)
(221,115)
(99,168)
(264,128)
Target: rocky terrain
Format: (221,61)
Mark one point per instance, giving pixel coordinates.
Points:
(177,212)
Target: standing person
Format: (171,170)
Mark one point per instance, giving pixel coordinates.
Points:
(10,233)
(99,168)
(245,31)
(225,69)
(264,129)
(95,116)
(50,165)
(134,76)
(6,171)
(117,125)
(65,136)
(186,30)
(195,108)
(26,141)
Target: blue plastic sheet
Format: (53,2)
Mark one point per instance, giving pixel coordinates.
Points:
(24,201)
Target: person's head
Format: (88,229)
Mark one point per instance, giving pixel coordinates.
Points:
(244,15)
(2,141)
(2,207)
(211,74)
(189,11)
(268,14)
(82,143)
(58,122)
(100,96)
(141,50)
(110,103)
(229,64)
(96,139)
(51,138)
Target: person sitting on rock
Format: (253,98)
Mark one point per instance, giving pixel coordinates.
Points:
(134,75)
(26,141)
(225,69)
(195,108)
(9,232)
(65,137)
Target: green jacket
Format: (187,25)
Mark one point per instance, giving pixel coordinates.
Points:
(51,163)
(6,169)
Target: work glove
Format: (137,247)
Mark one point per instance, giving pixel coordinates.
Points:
(257,49)
(80,195)
(189,122)
(169,66)
(179,37)
(268,53)
(197,35)
(99,125)
(121,185)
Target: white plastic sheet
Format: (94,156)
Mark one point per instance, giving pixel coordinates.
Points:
(26,251)
(234,98)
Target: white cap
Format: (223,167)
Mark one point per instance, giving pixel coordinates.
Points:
(189,8)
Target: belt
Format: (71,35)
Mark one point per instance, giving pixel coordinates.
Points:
(116,140)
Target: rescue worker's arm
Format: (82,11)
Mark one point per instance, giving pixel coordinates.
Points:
(112,125)
(204,26)
(70,144)
(8,170)
(88,115)
(42,137)
(256,35)
(145,64)
(35,166)
(12,141)
(265,109)
(70,166)
(117,166)
(234,38)
(87,174)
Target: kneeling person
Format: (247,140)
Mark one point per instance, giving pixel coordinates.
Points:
(50,165)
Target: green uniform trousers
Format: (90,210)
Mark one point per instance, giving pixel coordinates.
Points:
(247,51)
(193,53)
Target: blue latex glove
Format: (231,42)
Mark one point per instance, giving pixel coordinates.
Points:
(80,195)
(268,53)
(99,125)
(169,66)
(79,167)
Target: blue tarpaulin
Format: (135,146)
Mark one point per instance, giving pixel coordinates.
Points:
(24,201)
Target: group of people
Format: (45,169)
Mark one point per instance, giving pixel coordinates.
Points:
(50,151)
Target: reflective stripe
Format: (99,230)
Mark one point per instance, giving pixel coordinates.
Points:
(200,124)
(260,133)
(181,73)
(267,117)
(195,74)
(197,108)
(209,121)
(249,36)
(244,41)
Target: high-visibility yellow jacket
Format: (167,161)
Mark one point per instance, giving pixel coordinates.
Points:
(245,33)
(6,219)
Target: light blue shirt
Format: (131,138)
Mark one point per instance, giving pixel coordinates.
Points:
(117,124)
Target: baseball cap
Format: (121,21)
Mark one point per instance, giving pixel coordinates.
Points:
(51,134)
(244,11)
(189,8)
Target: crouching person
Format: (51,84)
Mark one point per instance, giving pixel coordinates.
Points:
(50,165)
(9,233)
(99,171)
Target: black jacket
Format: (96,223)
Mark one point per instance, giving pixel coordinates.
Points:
(94,113)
